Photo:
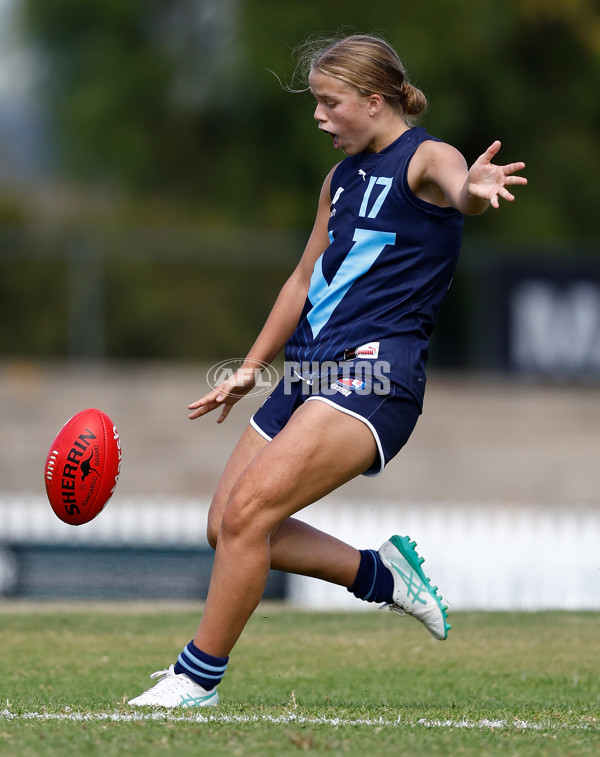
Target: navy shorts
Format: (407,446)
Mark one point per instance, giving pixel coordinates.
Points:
(391,416)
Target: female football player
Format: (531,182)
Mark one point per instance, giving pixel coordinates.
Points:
(355,318)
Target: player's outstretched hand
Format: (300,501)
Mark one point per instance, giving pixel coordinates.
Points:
(489,181)
(225,395)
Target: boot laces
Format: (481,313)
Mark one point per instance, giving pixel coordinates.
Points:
(169,680)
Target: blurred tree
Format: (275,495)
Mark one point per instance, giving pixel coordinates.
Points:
(128,83)
(581,16)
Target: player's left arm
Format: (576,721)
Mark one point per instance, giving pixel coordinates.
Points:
(470,190)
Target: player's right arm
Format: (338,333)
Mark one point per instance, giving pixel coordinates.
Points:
(281,322)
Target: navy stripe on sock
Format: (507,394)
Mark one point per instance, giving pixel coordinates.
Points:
(203,668)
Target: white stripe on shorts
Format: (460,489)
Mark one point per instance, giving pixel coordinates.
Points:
(360,418)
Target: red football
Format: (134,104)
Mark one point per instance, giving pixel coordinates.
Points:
(83,466)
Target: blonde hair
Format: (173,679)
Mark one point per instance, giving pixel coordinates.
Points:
(366,63)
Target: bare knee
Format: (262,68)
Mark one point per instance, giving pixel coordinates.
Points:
(235,521)
(233,515)
(248,513)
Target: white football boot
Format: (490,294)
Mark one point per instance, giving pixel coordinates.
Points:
(175,690)
(413,592)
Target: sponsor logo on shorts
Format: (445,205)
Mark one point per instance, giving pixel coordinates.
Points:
(338,388)
(346,386)
(352,383)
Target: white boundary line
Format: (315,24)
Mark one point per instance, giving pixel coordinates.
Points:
(169,717)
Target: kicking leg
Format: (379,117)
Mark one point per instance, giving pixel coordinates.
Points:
(393,575)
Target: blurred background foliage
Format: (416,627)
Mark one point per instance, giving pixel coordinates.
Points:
(169,114)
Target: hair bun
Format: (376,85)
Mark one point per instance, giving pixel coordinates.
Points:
(413,101)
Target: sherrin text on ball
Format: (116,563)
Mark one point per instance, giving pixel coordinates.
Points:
(83,466)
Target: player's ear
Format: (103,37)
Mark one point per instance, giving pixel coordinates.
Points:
(374,103)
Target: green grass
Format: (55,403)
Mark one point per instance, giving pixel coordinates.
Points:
(316,683)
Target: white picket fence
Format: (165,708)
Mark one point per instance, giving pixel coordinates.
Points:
(482,557)
(492,558)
